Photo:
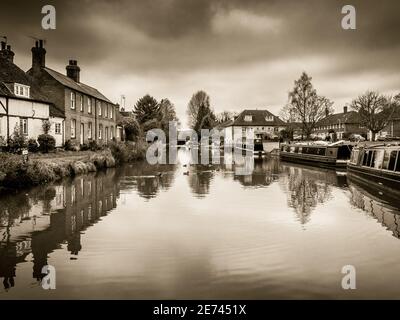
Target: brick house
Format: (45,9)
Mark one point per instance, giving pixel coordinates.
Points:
(22,104)
(343,124)
(89,115)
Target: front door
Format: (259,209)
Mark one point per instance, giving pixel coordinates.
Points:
(82,131)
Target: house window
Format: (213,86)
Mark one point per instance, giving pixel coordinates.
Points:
(21,90)
(99,107)
(58,128)
(73,100)
(111,133)
(106,111)
(89,105)
(111,112)
(248,118)
(89,130)
(269,118)
(81,103)
(24,126)
(100,131)
(73,128)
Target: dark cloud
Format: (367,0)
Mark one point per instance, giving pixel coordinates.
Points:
(215,44)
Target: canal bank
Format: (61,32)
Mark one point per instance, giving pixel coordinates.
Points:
(18,172)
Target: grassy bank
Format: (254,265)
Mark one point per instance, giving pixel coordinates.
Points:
(41,169)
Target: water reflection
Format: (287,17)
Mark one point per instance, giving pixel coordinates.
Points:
(227,244)
(41,221)
(366,199)
(306,188)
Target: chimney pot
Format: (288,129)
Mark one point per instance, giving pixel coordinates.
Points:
(73,70)
(38,55)
(345,109)
(3,45)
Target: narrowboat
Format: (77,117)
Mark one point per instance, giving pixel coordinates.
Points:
(377,166)
(335,155)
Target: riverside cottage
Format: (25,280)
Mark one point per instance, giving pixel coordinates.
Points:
(22,104)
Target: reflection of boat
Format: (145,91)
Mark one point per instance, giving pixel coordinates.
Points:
(377,167)
(334,155)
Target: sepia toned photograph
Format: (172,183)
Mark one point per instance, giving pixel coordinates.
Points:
(210,150)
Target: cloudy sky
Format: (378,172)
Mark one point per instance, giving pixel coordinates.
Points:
(243,53)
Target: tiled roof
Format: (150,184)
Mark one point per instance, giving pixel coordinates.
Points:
(78,86)
(348,117)
(258,119)
(10,74)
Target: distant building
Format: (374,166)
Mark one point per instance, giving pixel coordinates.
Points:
(89,115)
(393,127)
(257,123)
(22,104)
(343,124)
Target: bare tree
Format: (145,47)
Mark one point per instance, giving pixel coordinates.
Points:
(225,116)
(306,105)
(375,110)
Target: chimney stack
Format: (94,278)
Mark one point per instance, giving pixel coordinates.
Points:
(38,56)
(345,109)
(73,70)
(6,52)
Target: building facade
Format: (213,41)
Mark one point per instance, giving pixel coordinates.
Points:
(259,124)
(23,106)
(89,115)
(343,124)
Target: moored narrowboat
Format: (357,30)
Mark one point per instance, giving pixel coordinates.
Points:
(377,166)
(335,155)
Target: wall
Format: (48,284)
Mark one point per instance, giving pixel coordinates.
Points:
(34,112)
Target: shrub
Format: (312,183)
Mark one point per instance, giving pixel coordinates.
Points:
(46,125)
(85,147)
(17,141)
(71,145)
(39,172)
(33,145)
(119,151)
(46,143)
(94,146)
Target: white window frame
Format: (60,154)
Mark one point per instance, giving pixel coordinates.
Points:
(73,128)
(81,103)
(90,128)
(23,123)
(73,100)
(89,105)
(100,131)
(21,90)
(57,125)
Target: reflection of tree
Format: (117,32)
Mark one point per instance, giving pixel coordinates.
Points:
(305,190)
(147,179)
(200,181)
(386,215)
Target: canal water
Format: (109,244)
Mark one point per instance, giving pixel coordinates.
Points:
(177,231)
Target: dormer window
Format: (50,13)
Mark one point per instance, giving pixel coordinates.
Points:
(269,118)
(248,118)
(21,90)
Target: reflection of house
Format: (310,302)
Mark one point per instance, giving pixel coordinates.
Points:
(22,104)
(343,124)
(74,206)
(89,115)
(260,123)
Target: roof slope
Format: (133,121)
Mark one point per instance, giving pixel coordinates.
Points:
(78,86)
(10,74)
(348,117)
(258,119)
